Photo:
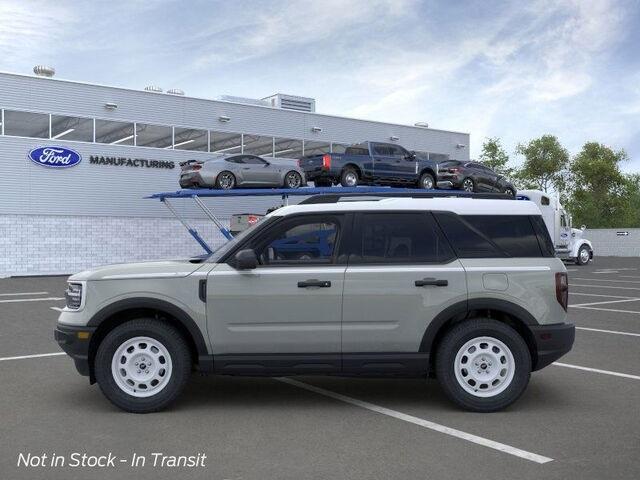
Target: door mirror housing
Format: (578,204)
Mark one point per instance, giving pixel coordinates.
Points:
(246,259)
(411,155)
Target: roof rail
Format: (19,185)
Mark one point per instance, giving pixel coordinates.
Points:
(337,197)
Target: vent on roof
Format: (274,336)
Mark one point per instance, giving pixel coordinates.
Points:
(153,88)
(292,102)
(175,91)
(44,71)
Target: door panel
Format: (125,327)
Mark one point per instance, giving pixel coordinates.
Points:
(384,310)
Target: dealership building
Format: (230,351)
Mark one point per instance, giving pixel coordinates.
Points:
(129,144)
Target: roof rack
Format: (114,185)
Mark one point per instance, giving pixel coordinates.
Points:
(401,193)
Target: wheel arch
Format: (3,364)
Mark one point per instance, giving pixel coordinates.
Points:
(121,311)
(355,167)
(428,170)
(501,310)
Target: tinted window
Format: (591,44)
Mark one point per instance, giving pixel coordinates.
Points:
(449,163)
(71,128)
(158,136)
(400,238)
(397,151)
(235,159)
(544,240)
(544,200)
(115,133)
(467,241)
(514,234)
(253,160)
(353,150)
(26,124)
(304,242)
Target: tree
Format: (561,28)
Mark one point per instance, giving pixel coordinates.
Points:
(601,195)
(495,157)
(545,164)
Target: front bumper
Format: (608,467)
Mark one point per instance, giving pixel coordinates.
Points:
(552,342)
(75,343)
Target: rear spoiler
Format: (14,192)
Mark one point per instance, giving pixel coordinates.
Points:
(190,162)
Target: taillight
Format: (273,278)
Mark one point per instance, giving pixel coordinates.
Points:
(196,166)
(562,289)
(326,161)
(454,170)
(299,163)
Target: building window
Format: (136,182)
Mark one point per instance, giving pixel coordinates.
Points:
(338,147)
(71,128)
(287,148)
(257,145)
(26,124)
(226,142)
(316,148)
(157,136)
(114,133)
(190,139)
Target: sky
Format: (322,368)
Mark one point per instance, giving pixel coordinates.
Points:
(513,70)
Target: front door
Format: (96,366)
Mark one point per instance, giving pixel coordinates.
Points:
(401,274)
(291,304)
(258,171)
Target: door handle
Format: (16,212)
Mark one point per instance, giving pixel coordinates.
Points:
(425,282)
(314,283)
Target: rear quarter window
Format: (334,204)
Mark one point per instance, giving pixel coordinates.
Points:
(513,234)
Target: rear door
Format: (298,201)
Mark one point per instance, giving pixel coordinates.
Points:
(383,161)
(401,274)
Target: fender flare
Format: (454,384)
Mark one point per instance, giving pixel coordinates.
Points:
(576,247)
(460,310)
(154,304)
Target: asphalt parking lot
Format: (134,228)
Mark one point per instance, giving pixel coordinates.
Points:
(578,419)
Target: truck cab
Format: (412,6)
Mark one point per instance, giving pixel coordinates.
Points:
(568,241)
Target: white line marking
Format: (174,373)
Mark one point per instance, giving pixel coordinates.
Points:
(604,286)
(24,357)
(597,295)
(14,300)
(608,331)
(485,442)
(607,280)
(597,370)
(605,302)
(572,269)
(22,293)
(628,276)
(608,309)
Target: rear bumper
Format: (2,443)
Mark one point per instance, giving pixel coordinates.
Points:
(552,342)
(75,345)
(191,180)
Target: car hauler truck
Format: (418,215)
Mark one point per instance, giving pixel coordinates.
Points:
(568,241)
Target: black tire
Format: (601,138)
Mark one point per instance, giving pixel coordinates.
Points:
(349,177)
(221,180)
(453,342)
(426,182)
(180,359)
(583,258)
(290,183)
(509,191)
(468,185)
(323,182)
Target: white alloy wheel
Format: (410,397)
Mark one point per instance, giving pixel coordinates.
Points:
(583,255)
(351,179)
(141,367)
(484,367)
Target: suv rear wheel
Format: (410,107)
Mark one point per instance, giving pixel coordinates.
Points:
(143,365)
(483,365)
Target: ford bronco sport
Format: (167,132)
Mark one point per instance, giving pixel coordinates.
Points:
(464,289)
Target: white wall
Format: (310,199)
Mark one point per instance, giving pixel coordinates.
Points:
(606,242)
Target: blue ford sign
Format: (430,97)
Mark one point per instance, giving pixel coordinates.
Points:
(55,157)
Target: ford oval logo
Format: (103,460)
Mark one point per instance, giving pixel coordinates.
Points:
(55,157)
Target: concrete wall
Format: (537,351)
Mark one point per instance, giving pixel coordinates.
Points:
(608,242)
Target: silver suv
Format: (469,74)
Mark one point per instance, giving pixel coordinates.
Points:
(464,289)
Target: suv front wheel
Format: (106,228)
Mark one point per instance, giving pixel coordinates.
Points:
(483,365)
(143,365)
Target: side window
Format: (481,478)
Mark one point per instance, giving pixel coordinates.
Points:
(397,151)
(544,200)
(253,160)
(235,160)
(381,150)
(544,240)
(467,241)
(514,234)
(400,238)
(300,243)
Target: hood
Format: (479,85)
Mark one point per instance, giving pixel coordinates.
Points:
(577,233)
(157,269)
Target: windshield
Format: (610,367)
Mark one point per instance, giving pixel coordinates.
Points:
(225,248)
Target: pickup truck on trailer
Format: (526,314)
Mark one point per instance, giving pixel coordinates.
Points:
(371,163)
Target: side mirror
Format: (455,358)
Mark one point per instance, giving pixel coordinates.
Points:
(411,155)
(246,259)
(583,227)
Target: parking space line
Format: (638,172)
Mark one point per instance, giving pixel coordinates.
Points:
(607,280)
(604,286)
(534,457)
(24,357)
(22,293)
(605,302)
(597,370)
(608,309)
(597,295)
(15,300)
(608,331)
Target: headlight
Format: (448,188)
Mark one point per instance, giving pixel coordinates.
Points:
(73,295)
